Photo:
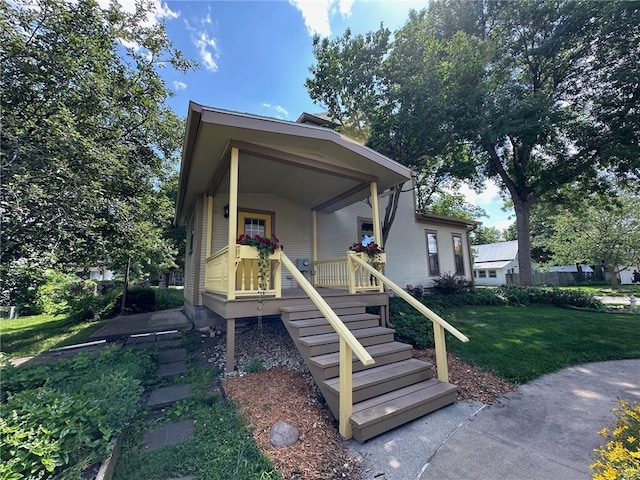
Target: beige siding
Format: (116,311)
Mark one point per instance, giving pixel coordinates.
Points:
(189,262)
(292,225)
(406,244)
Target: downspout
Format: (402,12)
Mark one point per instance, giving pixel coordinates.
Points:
(473,278)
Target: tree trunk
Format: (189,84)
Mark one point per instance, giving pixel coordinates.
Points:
(613,273)
(523,212)
(390,213)
(125,288)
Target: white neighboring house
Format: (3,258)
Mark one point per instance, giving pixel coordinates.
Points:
(493,261)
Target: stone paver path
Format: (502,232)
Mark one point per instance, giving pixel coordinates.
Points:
(169,434)
(165,396)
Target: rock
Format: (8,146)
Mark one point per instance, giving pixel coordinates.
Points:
(283,435)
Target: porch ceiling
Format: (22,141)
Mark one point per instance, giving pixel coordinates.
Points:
(310,165)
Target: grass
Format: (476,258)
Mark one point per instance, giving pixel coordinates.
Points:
(222,447)
(26,336)
(523,343)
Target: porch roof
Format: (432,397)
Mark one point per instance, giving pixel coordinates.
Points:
(311,165)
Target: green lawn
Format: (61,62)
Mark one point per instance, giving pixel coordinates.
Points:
(25,336)
(523,343)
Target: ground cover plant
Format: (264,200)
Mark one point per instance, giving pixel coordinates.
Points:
(57,420)
(222,446)
(522,343)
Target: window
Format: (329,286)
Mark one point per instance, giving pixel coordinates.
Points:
(475,274)
(365,231)
(432,254)
(458,256)
(482,274)
(492,274)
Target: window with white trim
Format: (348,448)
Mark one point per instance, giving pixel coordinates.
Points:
(433,265)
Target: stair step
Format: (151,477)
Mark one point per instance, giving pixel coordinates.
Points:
(316,326)
(384,379)
(329,342)
(328,365)
(301,312)
(381,414)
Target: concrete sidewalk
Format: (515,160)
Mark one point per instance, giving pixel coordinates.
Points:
(140,323)
(545,430)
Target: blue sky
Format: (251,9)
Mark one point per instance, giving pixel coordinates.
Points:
(255,55)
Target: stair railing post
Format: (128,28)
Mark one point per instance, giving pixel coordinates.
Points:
(441,352)
(351,271)
(346,390)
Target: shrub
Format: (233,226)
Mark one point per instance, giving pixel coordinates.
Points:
(411,326)
(54,292)
(448,284)
(167,298)
(141,299)
(545,295)
(620,457)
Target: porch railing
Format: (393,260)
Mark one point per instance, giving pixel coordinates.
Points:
(247,272)
(341,273)
(348,344)
(439,324)
(217,272)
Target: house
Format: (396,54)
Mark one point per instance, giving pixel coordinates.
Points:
(493,261)
(320,193)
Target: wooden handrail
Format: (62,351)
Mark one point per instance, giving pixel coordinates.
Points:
(348,344)
(218,253)
(439,324)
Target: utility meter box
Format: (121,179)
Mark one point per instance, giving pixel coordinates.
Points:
(303,264)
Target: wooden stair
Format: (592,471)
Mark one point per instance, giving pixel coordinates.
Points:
(395,390)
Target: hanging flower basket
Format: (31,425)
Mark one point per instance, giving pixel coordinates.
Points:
(372,253)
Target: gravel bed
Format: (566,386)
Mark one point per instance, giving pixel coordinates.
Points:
(271,346)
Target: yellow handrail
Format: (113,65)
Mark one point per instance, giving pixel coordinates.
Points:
(348,344)
(439,324)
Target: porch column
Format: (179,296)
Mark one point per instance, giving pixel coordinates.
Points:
(233,222)
(209,224)
(375,214)
(314,235)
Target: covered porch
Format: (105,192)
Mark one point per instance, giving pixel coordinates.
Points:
(318,192)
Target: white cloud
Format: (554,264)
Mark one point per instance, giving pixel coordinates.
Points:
(159,10)
(278,108)
(490,194)
(207,48)
(177,85)
(316,13)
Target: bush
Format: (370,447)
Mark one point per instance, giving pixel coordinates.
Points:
(619,458)
(141,300)
(167,298)
(550,296)
(411,326)
(448,284)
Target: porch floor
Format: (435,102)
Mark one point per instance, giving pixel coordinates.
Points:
(244,307)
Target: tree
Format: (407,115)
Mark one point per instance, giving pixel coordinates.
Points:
(511,83)
(604,231)
(485,235)
(87,138)
(351,79)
